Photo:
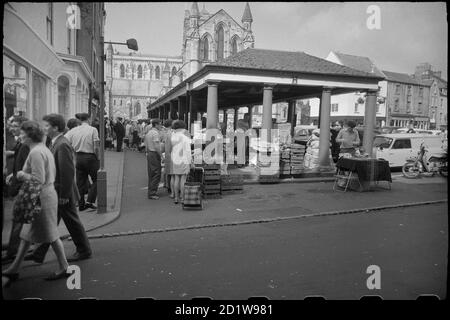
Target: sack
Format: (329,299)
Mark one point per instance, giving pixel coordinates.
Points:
(27,203)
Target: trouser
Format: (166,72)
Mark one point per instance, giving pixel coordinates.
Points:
(119,144)
(14,238)
(87,166)
(154,172)
(76,230)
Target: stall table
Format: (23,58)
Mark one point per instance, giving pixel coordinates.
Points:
(362,170)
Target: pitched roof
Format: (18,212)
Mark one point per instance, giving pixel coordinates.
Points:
(403,78)
(359,63)
(247,16)
(288,61)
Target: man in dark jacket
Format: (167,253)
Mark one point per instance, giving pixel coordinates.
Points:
(66,189)
(120,134)
(18,154)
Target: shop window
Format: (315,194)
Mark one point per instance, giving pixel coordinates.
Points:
(402,144)
(15,86)
(39,97)
(63,96)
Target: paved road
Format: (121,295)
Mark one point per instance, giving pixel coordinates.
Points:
(282,260)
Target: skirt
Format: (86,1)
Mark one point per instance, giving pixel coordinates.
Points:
(44,228)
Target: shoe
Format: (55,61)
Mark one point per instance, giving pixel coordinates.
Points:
(11,276)
(32,257)
(56,276)
(82,208)
(79,256)
(91,206)
(175,201)
(153,197)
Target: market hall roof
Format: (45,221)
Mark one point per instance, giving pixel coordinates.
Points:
(288,61)
(294,74)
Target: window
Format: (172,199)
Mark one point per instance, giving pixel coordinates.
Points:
(174,71)
(50,23)
(122,71)
(334,107)
(421,92)
(205,49)
(120,101)
(396,107)
(356,107)
(397,89)
(442,102)
(181,76)
(220,43)
(157,72)
(408,106)
(139,72)
(402,144)
(419,107)
(234,46)
(409,90)
(69,40)
(377,108)
(15,86)
(114,101)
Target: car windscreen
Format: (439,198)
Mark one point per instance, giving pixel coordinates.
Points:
(382,142)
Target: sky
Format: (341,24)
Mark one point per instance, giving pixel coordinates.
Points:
(409,34)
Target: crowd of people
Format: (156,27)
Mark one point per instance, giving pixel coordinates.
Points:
(51,168)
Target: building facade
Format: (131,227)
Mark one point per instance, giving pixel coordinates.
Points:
(46,66)
(407,100)
(350,106)
(438,94)
(134,80)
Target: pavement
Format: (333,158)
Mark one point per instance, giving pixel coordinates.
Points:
(114,163)
(257,202)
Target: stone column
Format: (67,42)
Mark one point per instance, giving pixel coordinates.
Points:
(172,110)
(324,142)
(291,115)
(212,105)
(267,107)
(192,110)
(236,112)
(369,121)
(181,109)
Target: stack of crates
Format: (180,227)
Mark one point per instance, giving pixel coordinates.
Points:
(297,158)
(231,184)
(211,186)
(285,160)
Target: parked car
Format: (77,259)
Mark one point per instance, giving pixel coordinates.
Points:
(398,147)
(360,130)
(303,133)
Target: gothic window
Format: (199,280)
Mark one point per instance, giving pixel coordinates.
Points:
(234,46)
(220,43)
(139,72)
(122,71)
(174,71)
(181,76)
(204,55)
(157,72)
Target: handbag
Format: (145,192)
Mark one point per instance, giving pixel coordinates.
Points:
(27,203)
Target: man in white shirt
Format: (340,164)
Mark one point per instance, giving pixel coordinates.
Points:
(85,141)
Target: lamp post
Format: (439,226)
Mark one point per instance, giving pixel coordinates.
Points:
(101,175)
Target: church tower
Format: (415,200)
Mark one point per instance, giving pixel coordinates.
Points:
(193,40)
(247,19)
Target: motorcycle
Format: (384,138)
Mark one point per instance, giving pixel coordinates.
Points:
(426,163)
